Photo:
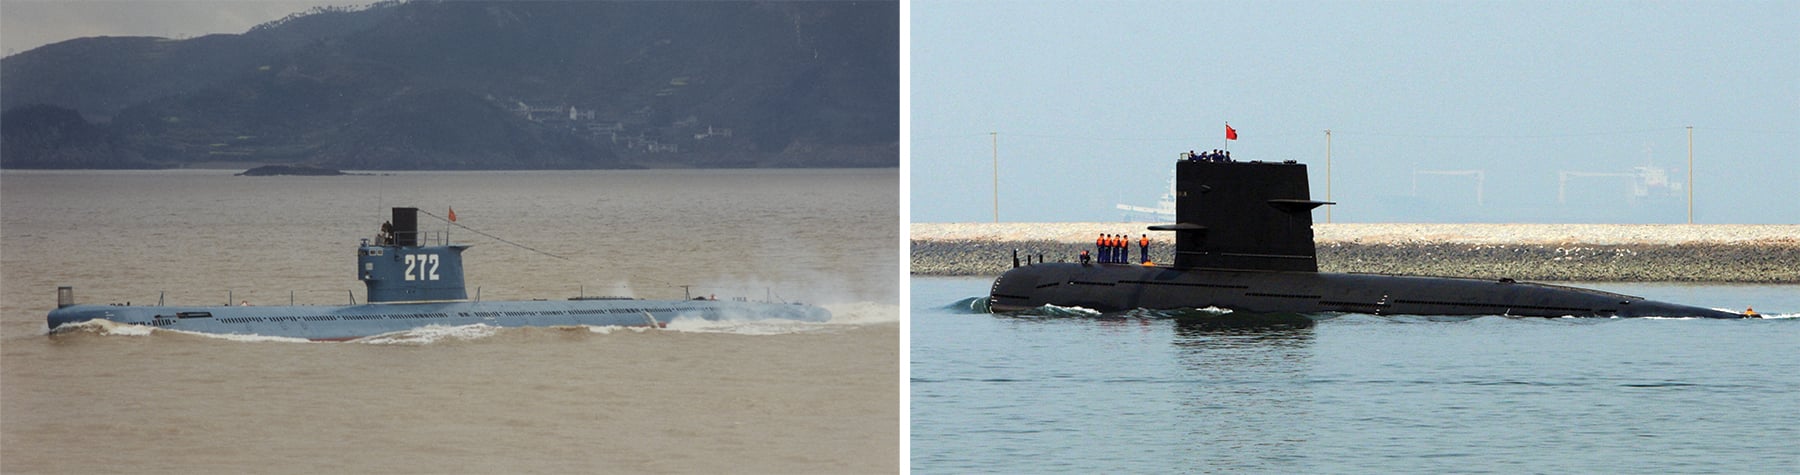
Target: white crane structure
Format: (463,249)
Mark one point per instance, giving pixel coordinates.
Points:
(1642,180)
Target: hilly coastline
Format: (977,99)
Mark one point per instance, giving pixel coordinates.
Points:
(474,85)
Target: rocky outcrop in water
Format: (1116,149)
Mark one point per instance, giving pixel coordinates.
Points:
(283,170)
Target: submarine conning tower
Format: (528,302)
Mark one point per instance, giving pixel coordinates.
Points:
(400,267)
(1243,215)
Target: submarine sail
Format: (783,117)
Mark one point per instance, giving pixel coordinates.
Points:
(1242,216)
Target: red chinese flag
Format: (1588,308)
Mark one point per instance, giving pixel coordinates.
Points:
(1230,133)
(453,214)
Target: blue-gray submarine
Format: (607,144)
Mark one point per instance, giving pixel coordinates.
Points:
(1244,242)
(412,285)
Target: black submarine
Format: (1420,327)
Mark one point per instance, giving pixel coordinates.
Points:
(415,280)
(1244,242)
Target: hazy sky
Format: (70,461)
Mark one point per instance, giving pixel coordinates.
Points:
(27,24)
(1093,101)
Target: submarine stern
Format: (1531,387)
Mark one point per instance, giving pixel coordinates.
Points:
(1652,308)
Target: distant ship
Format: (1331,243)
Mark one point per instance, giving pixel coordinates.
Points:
(411,285)
(1244,242)
(1162,213)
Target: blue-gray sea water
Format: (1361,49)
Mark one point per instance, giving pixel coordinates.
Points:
(1142,393)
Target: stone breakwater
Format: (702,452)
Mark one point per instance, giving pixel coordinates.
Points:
(1552,252)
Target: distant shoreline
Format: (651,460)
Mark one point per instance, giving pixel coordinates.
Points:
(1546,252)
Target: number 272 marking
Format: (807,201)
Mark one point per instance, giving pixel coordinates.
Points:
(421,267)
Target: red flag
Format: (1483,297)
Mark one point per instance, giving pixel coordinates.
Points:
(1230,133)
(452,214)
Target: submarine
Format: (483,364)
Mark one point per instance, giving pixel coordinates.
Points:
(411,284)
(1244,242)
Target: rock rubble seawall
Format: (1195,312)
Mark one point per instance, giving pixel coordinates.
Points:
(1544,252)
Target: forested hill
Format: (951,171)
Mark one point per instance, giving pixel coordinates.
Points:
(475,85)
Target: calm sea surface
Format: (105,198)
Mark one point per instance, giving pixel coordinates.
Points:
(757,397)
(1357,394)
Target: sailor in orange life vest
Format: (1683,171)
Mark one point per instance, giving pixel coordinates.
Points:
(1100,248)
(1144,248)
